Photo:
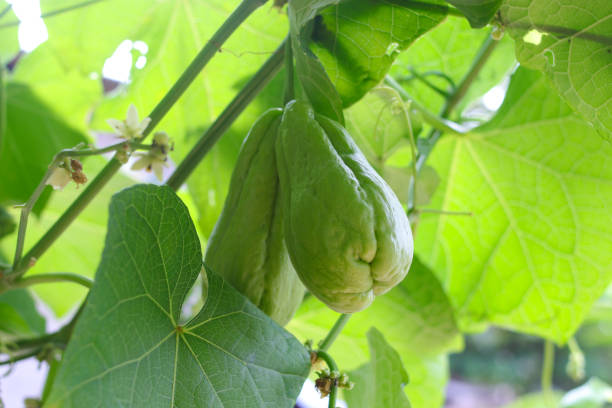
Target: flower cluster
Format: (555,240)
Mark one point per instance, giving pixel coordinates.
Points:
(329,379)
(67,171)
(156,158)
(131,127)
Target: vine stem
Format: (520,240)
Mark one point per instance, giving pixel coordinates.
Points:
(485,51)
(53,277)
(57,160)
(439,123)
(246,8)
(289,76)
(334,332)
(548,365)
(261,78)
(331,364)
(2,102)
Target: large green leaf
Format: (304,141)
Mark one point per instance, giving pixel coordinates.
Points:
(534,255)
(449,49)
(478,12)
(380,382)
(417,320)
(571,41)
(18,316)
(358,40)
(34,134)
(230,354)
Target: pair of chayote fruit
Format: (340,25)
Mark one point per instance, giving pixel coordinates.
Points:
(305,208)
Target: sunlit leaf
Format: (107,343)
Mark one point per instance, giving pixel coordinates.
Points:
(534,255)
(572,43)
(380,382)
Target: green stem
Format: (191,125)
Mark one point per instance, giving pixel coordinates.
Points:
(289,74)
(245,8)
(412,199)
(439,123)
(2,103)
(427,82)
(548,365)
(54,12)
(59,158)
(227,117)
(12,360)
(53,278)
(334,332)
(5,10)
(485,51)
(331,364)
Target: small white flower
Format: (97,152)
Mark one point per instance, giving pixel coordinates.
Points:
(151,162)
(131,127)
(59,178)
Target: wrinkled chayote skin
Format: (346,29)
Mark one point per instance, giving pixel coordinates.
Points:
(246,246)
(347,234)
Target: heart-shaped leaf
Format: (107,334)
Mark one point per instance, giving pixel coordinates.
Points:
(129,347)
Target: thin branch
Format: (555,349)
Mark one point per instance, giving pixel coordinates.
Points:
(412,199)
(331,364)
(14,359)
(485,51)
(334,332)
(481,58)
(225,120)
(54,12)
(548,366)
(246,8)
(5,10)
(436,122)
(2,103)
(289,74)
(53,277)
(57,160)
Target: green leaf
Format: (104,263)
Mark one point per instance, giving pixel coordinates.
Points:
(571,41)
(34,134)
(18,316)
(535,254)
(151,259)
(319,89)
(358,40)
(478,12)
(449,50)
(593,394)
(537,400)
(380,382)
(60,85)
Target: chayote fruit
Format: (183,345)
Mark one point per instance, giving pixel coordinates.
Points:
(246,246)
(347,234)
